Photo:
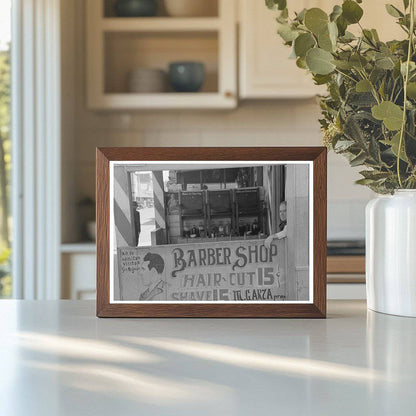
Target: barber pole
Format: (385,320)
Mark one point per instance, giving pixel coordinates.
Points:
(159,201)
(123,209)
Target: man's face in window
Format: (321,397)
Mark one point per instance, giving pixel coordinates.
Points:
(283,211)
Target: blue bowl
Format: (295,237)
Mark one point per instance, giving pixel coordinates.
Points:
(186,76)
(136,8)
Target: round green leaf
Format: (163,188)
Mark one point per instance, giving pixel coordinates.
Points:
(333,32)
(393,11)
(321,79)
(324,42)
(342,64)
(301,63)
(286,32)
(342,25)
(394,144)
(411,90)
(327,40)
(316,20)
(351,11)
(391,114)
(303,43)
(336,12)
(385,63)
(358,61)
(363,86)
(276,4)
(319,61)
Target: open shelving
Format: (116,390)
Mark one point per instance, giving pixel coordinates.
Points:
(118,45)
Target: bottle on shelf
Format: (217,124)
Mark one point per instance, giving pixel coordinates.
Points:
(227,229)
(255,227)
(194,232)
(221,230)
(213,232)
(201,230)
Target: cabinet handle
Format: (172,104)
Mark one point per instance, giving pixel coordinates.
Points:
(228,94)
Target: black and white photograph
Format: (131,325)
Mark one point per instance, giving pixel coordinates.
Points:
(211,232)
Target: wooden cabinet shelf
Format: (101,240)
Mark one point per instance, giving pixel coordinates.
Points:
(159,24)
(162,101)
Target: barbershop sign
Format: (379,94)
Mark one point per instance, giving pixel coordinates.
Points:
(218,271)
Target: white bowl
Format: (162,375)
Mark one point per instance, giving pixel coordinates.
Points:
(146,80)
(191,8)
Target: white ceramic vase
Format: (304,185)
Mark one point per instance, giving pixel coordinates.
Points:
(391,253)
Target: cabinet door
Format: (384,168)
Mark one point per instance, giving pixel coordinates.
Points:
(376,17)
(265,68)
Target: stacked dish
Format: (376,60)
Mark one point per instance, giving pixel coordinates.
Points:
(147,80)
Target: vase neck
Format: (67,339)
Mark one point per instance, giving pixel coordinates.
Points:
(405,192)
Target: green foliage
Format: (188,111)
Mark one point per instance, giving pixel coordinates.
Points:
(319,61)
(5,281)
(4,89)
(351,12)
(369,113)
(276,4)
(389,113)
(5,166)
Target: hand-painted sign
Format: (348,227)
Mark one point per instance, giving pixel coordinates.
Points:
(218,271)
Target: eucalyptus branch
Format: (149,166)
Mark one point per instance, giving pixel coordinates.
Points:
(392,90)
(406,80)
(364,109)
(373,89)
(346,75)
(398,95)
(369,41)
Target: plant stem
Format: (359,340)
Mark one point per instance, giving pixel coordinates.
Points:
(406,80)
(373,90)
(345,75)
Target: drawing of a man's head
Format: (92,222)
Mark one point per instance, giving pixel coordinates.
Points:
(152,267)
(155,262)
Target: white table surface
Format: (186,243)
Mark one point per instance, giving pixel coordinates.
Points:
(56,358)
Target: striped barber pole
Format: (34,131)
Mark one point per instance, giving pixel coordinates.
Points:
(123,208)
(159,199)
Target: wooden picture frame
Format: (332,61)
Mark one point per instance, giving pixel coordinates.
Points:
(263,157)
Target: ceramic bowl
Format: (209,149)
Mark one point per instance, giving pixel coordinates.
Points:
(186,76)
(147,80)
(135,8)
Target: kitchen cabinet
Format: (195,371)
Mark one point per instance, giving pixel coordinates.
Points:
(265,70)
(116,46)
(78,271)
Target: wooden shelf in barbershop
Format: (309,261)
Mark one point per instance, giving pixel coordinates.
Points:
(346,269)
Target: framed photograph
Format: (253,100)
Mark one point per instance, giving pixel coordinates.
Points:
(211,232)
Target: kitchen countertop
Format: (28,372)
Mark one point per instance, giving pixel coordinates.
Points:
(58,359)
